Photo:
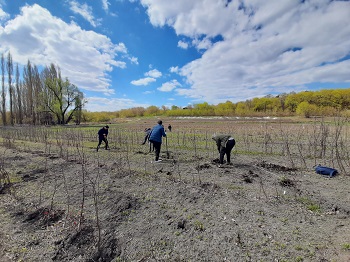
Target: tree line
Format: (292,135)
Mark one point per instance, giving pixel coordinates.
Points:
(37,97)
(306,104)
(33,97)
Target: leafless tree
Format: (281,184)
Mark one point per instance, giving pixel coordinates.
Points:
(28,84)
(9,67)
(3,91)
(19,115)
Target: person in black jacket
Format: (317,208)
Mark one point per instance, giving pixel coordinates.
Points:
(102,136)
(147,133)
(225,144)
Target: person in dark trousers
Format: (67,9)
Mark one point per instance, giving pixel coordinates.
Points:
(169,128)
(225,144)
(156,138)
(147,133)
(102,136)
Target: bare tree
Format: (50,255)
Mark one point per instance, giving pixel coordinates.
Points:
(3,93)
(19,115)
(9,67)
(37,89)
(28,84)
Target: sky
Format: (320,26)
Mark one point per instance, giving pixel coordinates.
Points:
(138,53)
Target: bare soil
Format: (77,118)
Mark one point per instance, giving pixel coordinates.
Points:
(113,206)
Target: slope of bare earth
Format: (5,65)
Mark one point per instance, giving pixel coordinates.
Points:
(102,207)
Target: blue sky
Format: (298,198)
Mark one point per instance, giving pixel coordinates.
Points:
(130,53)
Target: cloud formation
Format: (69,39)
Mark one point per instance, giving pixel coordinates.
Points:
(253,48)
(85,57)
(111,104)
(169,86)
(85,11)
(150,78)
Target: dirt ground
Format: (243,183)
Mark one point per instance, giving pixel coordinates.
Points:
(106,206)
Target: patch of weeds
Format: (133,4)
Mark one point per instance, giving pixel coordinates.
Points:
(298,248)
(234,187)
(125,212)
(296,231)
(260,212)
(284,220)
(198,225)
(346,246)
(199,237)
(312,206)
(280,246)
(299,259)
(15,178)
(177,233)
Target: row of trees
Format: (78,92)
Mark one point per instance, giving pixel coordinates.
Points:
(35,97)
(306,104)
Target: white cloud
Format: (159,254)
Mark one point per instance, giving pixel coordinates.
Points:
(182,44)
(105,5)
(143,81)
(85,11)
(202,43)
(252,48)
(134,60)
(98,104)
(3,15)
(154,73)
(84,57)
(150,78)
(174,69)
(169,86)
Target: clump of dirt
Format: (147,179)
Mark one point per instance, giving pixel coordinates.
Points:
(209,186)
(276,167)
(249,176)
(75,245)
(203,166)
(5,188)
(286,182)
(44,216)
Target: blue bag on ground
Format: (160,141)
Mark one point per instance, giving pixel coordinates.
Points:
(323,170)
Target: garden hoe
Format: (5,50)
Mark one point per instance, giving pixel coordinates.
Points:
(166,146)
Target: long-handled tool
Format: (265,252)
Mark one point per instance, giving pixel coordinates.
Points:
(166,146)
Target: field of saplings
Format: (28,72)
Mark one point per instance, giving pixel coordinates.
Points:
(62,200)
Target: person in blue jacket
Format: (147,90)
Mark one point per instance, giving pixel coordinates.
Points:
(156,138)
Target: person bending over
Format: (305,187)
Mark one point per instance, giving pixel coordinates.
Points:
(225,144)
(102,136)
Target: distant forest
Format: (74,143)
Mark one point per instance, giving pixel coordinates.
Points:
(306,104)
(36,98)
